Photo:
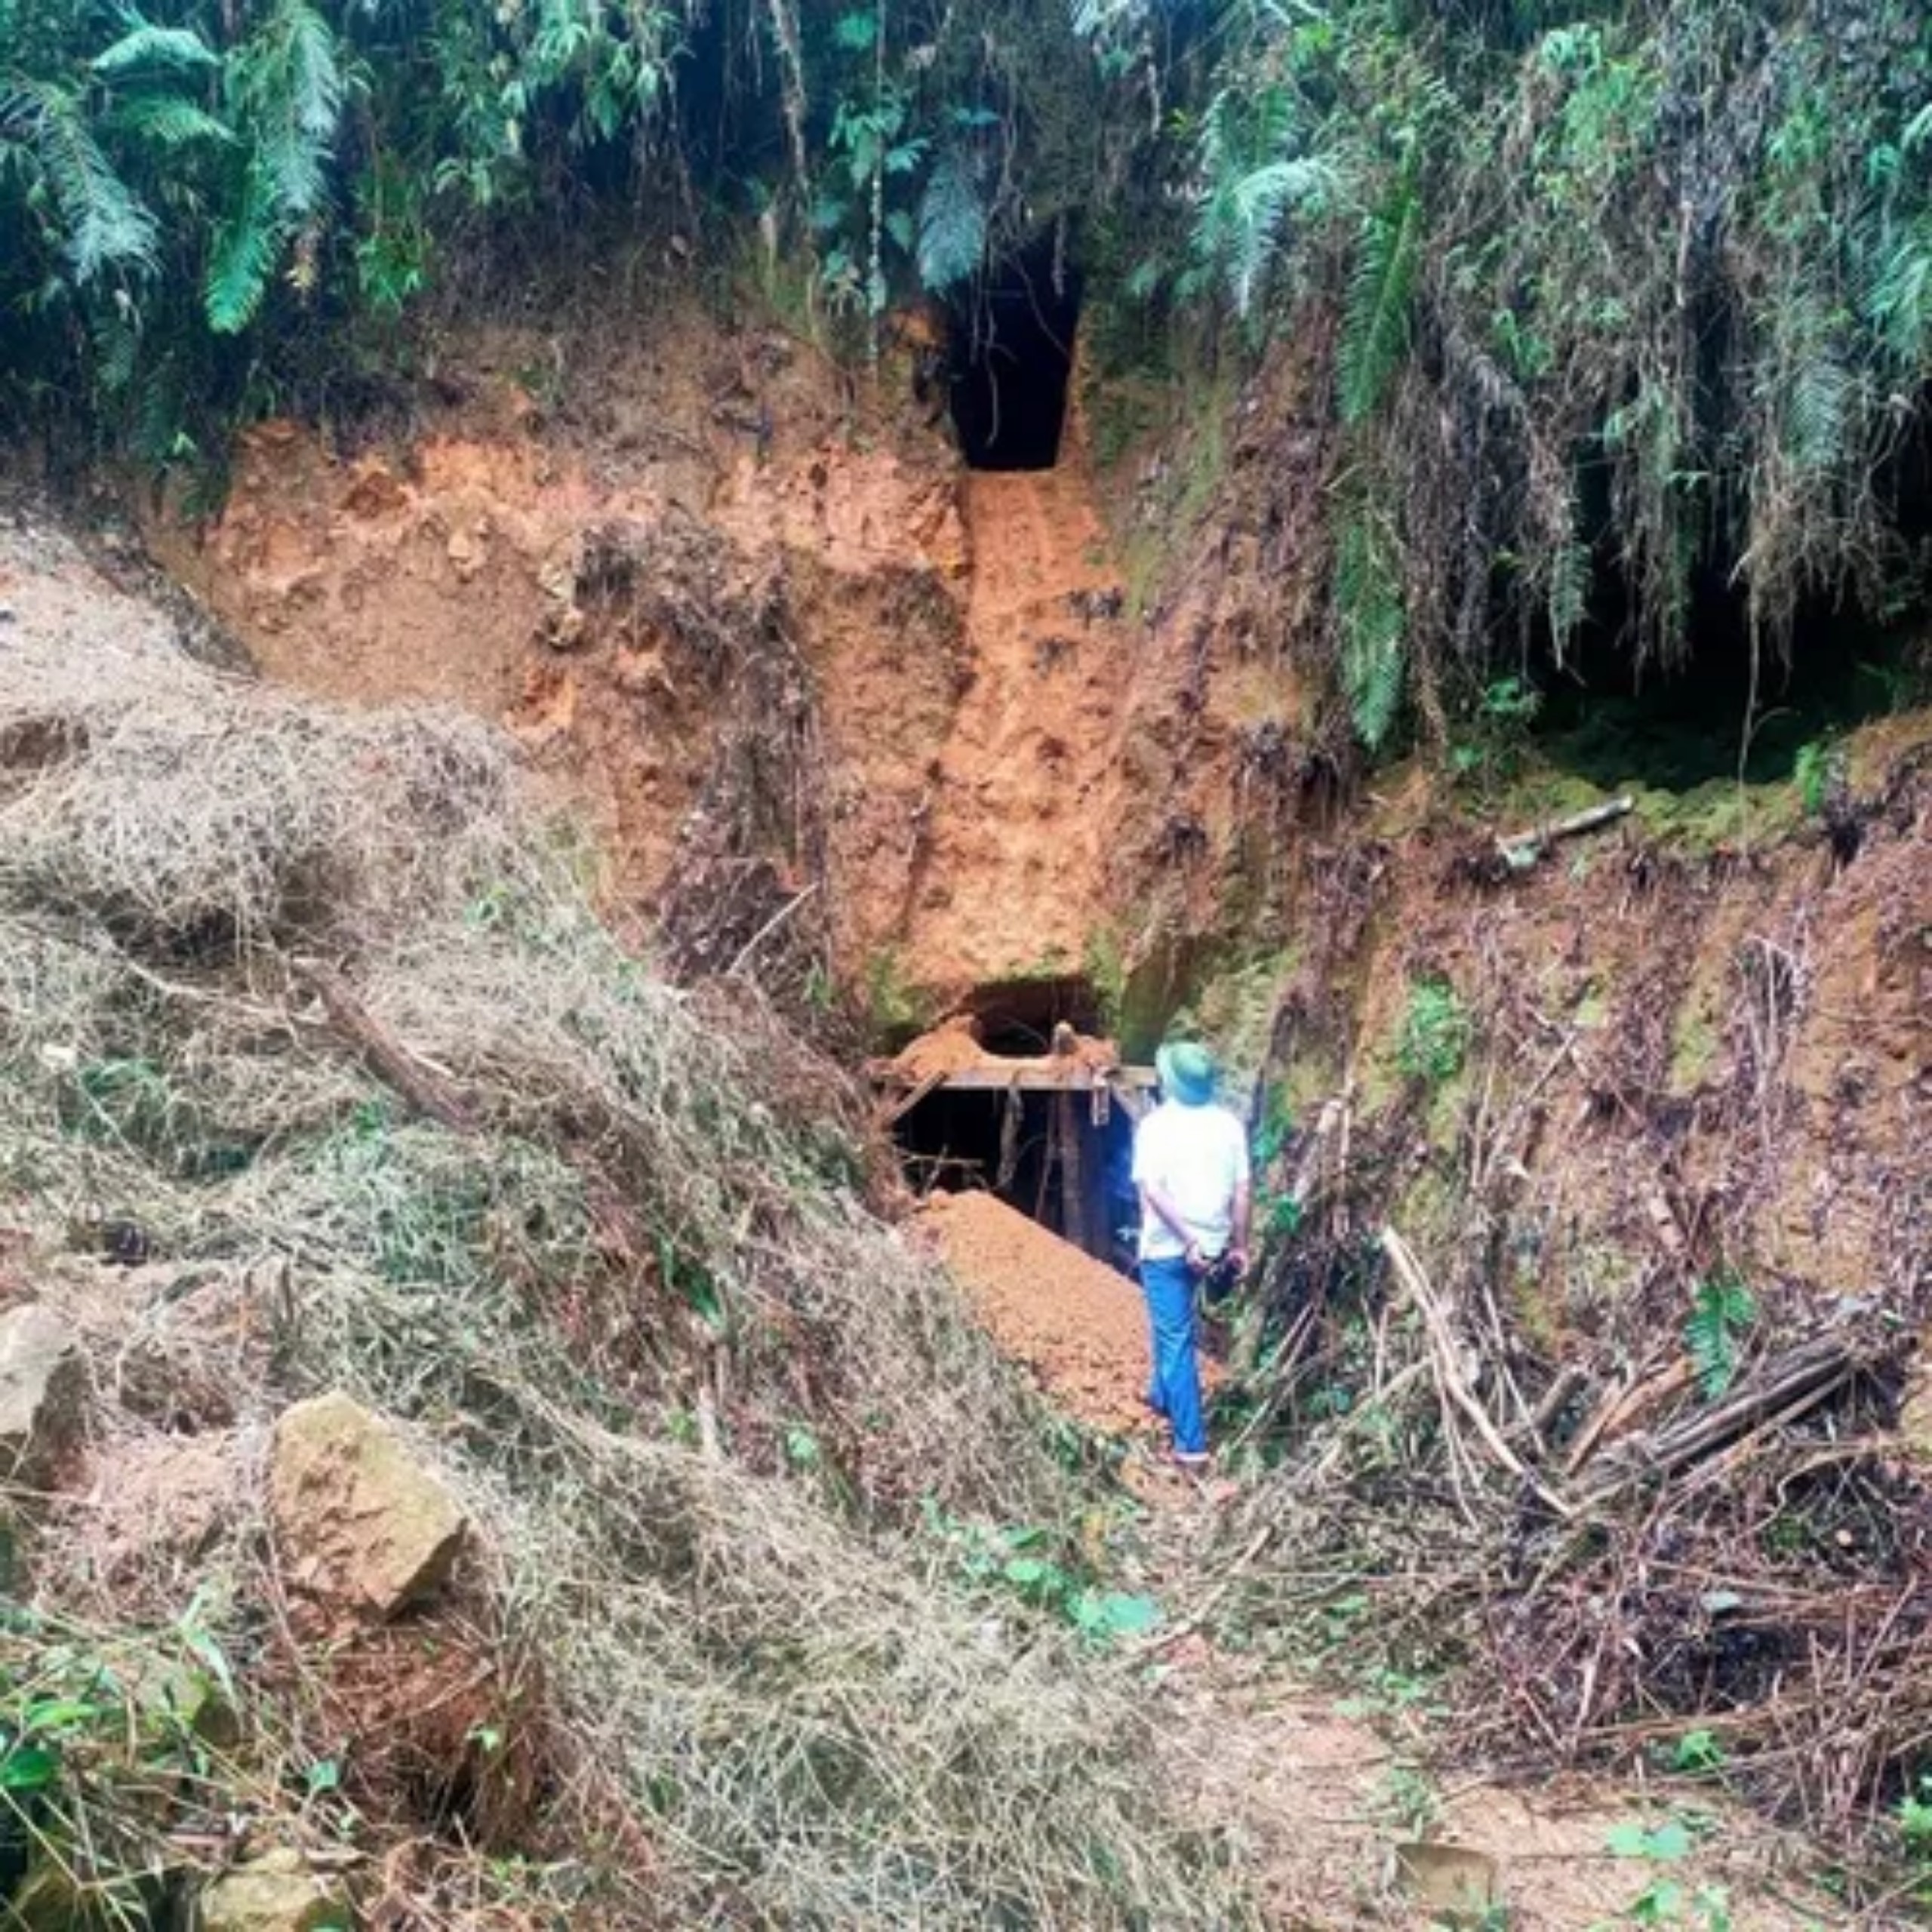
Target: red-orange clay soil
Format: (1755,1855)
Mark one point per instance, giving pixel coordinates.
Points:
(1020,813)
(1077,1326)
(1074,1323)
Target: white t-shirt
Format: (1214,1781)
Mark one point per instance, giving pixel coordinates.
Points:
(1197,1157)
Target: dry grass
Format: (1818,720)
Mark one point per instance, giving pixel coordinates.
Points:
(630,1301)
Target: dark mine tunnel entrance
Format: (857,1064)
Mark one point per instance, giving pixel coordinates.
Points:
(1038,1117)
(1010,358)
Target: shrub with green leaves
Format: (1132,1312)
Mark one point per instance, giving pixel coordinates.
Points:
(1436,1032)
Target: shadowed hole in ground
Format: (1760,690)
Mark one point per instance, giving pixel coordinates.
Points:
(1009,355)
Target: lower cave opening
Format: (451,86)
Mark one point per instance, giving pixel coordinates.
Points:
(1061,1156)
(1739,702)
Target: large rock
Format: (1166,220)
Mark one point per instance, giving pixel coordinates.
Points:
(41,1381)
(275,1893)
(358,1521)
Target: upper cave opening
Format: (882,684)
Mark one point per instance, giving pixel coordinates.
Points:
(1010,358)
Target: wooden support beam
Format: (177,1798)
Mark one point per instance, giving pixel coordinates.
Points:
(1025,1077)
(1072,1179)
(897,1109)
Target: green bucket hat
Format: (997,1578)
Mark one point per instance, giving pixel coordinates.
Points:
(1187,1072)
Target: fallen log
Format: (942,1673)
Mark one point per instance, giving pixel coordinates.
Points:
(1789,1386)
(1523,849)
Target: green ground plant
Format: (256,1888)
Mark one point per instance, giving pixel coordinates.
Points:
(1722,1311)
(1435,1033)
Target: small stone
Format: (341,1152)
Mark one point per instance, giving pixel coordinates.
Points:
(41,1380)
(275,1893)
(357,1520)
(564,630)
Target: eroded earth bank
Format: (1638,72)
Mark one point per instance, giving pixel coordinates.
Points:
(491,1433)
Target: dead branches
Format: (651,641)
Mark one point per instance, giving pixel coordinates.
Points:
(1615,1563)
(426,1088)
(1521,849)
(1448,1374)
(1784,1388)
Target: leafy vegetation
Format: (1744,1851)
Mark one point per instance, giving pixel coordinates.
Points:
(90,1725)
(1722,1312)
(1435,1033)
(1636,310)
(1635,301)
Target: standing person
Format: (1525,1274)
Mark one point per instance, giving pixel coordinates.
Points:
(1190,1166)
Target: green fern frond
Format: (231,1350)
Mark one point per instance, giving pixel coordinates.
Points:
(1721,1312)
(243,258)
(1375,322)
(146,49)
(1900,305)
(1569,590)
(292,85)
(1257,205)
(169,121)
(1817,414)
(158,434)
(1371,623)
(1251,177)
(287,88)
(106,225)
(117,337)
(952,224)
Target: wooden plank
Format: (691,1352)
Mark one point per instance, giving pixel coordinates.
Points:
(906,1103)
(1029,1077)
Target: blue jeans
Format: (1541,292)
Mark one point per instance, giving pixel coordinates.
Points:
(1175,1389)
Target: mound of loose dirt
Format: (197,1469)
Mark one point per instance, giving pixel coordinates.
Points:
(1073,1322)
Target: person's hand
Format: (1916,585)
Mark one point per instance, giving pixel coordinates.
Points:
(1238,1259)
(1196,1261)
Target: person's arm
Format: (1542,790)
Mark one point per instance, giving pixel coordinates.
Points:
(1154,1198)
(1241,1244)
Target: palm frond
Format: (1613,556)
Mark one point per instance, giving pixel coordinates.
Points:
(105,223)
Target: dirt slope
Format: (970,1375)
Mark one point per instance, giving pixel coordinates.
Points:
(1009,768)
(1073,1322)
(1011,877)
